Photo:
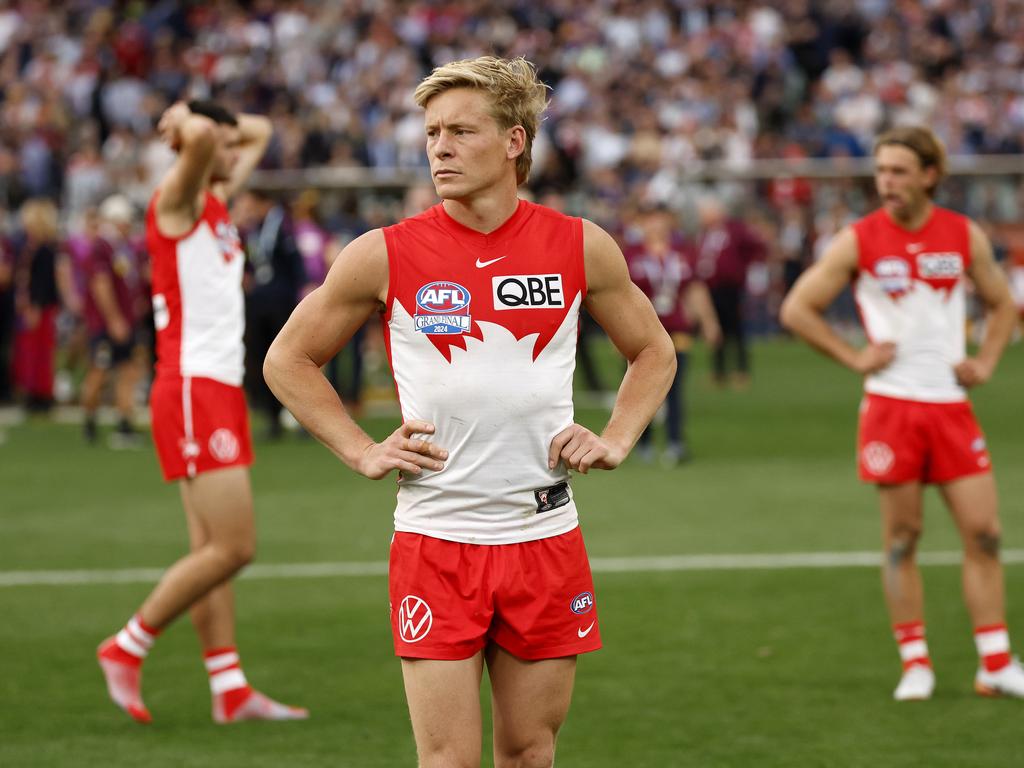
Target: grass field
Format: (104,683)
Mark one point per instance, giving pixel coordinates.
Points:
(740,667)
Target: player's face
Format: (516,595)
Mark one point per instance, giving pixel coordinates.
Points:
(901,181)
(468,152)
(226,154)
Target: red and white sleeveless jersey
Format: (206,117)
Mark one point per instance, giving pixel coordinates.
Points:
(910,291)
(481,332)
(198,305)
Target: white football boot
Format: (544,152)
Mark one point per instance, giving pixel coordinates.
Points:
(917,684)
(1008,681)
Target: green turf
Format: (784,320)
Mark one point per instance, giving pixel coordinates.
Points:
(737,668)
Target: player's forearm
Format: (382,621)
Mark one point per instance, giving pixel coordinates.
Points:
(809,324)
(641,393)
(303,389)
(254,130)
(1000,320)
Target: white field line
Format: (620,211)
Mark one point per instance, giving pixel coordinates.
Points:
(667,563)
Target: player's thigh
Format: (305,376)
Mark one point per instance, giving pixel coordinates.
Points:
(974,504)
(530,701)
(444,706)
(902,510)
(221,502)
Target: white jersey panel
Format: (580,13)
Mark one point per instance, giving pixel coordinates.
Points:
(927,326)
(212,308)
(495,410)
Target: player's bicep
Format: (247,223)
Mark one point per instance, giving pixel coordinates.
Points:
(613,300)
(329,316)
(185,179)
(821,283)
(989,280)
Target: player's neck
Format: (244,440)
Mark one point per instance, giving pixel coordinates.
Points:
(912,221)
(483,213)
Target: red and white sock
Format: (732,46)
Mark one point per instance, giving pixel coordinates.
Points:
(993,644)
(913,648)
(228,685)
(132,644)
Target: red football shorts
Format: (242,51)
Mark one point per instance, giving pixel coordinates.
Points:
(903,440)
(449,600)
(199,425)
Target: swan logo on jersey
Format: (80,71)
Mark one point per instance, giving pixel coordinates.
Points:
(442,308)
(893,275)
(940,266)
(229,241)
(582,603)
(414,619)
(878,457)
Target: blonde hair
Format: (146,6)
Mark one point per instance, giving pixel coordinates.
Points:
(517,97)
(39,219)
(923,142)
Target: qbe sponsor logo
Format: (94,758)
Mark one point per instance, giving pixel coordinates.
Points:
(946,265)
(224,445)
(442,307)
(528,292)
(878,457)
(582,603)
(414,619)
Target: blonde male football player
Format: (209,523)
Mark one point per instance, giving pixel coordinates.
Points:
(909,262)
(480,298)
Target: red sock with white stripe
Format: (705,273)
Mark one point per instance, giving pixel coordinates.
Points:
(120,658)
(993,644)
(228,685)
(234,699)
(913,648)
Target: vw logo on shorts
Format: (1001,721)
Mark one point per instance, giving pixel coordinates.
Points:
(878,457)
(224,445)
(414,619)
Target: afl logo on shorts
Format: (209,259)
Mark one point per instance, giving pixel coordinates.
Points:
(442,308)
(878,458)
(414,619)
(582,603)
(224,445)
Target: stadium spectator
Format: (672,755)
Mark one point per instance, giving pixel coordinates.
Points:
(662,265)
(114,283)
(6,318)
(275,278)
(200,422)
(487,563)
(910,259)
(726,247)
(42,282)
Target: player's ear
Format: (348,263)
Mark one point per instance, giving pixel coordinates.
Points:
(516,141)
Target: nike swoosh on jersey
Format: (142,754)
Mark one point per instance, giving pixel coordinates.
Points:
(482,264)
(584,632)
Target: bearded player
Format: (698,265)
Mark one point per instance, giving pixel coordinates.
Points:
(200,422)
(909,263)
(480,298)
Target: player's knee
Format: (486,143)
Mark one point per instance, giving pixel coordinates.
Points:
(903,540)
(985,541)
(540,754)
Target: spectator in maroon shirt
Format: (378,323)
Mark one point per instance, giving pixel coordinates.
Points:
(725,249)
(113,280)
(42,279)
(661,265)
(6,318)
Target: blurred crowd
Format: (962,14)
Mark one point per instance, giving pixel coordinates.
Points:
(644,93)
